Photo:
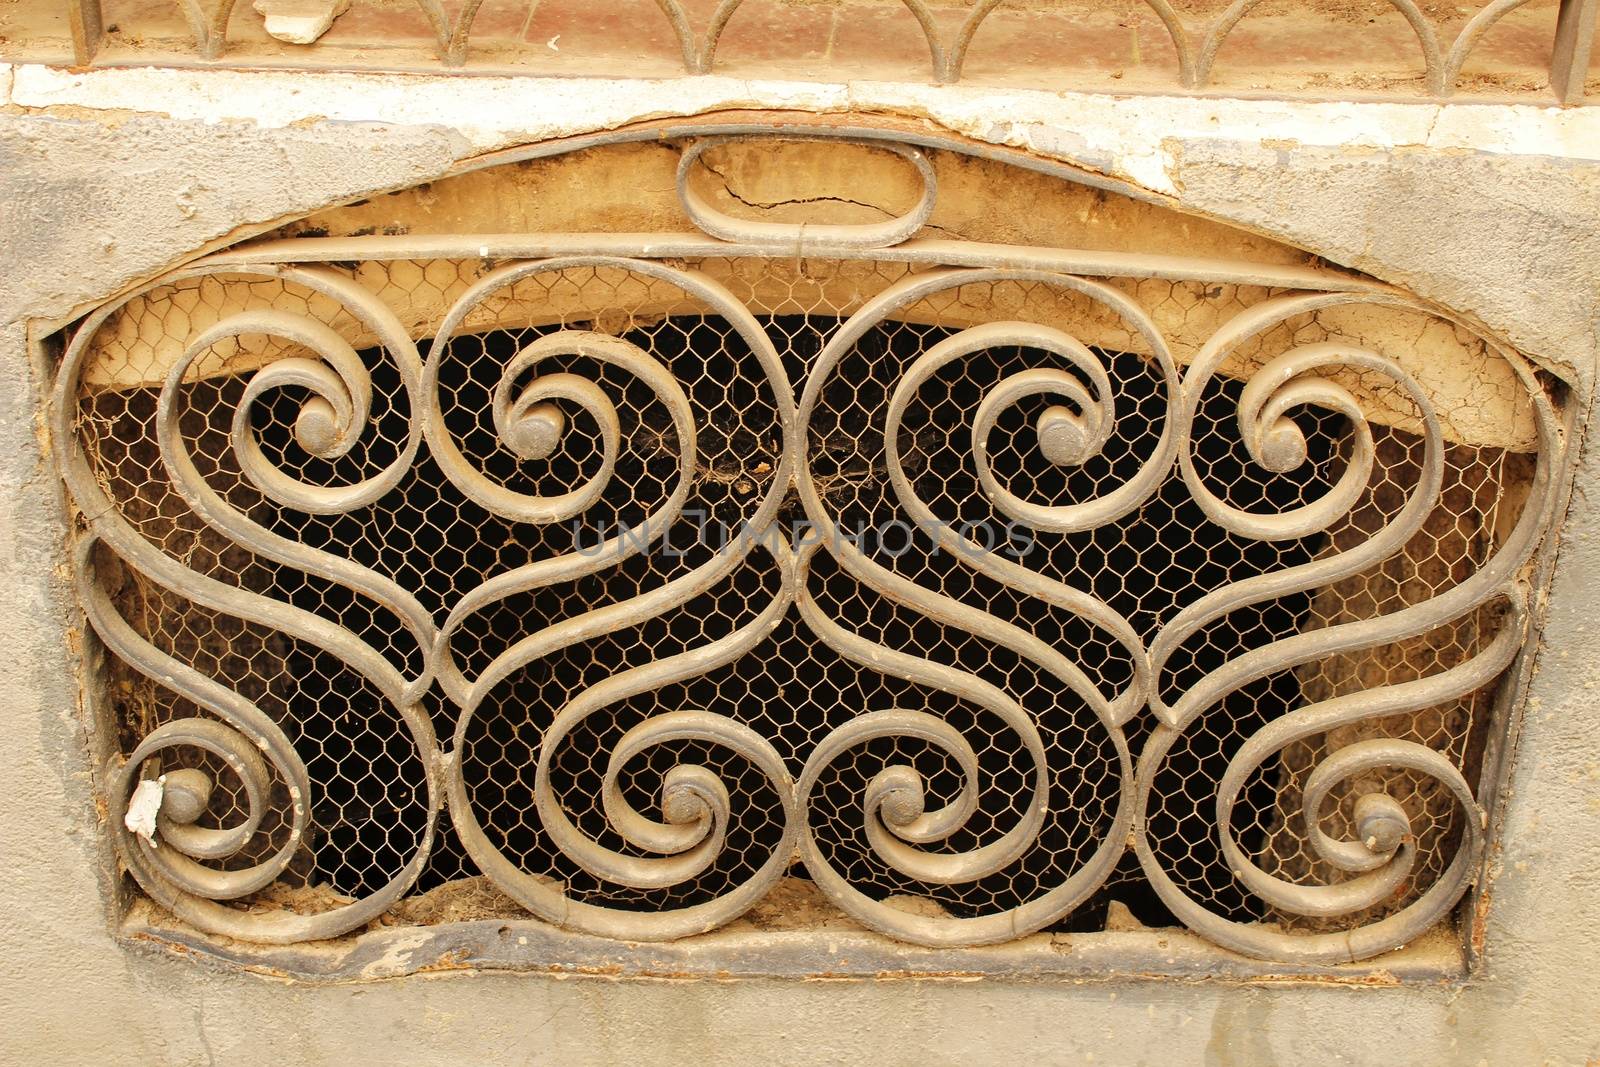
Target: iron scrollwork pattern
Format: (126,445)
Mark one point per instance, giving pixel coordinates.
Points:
(1003,736)
(1195,42)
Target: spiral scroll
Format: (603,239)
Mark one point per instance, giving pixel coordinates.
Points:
(1376,865)
(329,424)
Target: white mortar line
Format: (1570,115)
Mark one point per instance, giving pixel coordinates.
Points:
(1128,136)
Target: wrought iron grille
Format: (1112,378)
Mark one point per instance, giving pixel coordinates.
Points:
(675,568)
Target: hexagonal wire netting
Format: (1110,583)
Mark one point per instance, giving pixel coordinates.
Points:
(369,810)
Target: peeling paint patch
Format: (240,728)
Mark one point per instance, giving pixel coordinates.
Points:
(491,112)
(397,956)
(143,807)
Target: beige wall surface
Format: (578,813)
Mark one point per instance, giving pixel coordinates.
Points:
(110,177)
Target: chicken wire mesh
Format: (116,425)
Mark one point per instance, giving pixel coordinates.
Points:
(371,809)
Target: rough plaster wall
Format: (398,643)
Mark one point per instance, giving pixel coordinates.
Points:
(1513,239)
(88,204)
(70,181)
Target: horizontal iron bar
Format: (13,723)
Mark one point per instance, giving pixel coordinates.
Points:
(837,951)
(503,246)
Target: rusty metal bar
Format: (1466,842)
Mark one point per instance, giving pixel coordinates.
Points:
(526,945)
(1569,58)
(87,22)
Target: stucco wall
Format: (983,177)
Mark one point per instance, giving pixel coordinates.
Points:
(109,177)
